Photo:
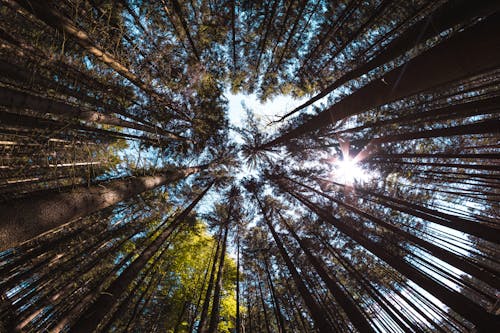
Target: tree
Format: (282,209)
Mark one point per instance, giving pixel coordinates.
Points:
(31,216)
(374,210)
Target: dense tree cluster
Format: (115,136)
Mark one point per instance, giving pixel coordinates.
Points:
(129,203)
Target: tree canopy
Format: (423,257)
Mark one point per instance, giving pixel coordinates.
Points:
(131,202)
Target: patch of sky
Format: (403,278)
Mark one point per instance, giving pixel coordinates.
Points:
(264,112)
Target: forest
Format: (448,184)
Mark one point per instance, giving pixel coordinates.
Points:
(130,201)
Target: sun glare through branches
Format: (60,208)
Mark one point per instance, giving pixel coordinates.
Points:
(348,170)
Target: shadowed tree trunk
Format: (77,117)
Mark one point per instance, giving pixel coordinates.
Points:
(344,300)
(238,318)
(200,296)
(317,313)
(214,317)
(178,12)
(23,219)
(451,221)
(11,98)
(277,308)
(57,21)
(208,295)
(483,273)
(450,14)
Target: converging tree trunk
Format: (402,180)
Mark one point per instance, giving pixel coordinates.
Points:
(52,18)
(23,219)
(448,15)
(483,320)
(316,311)
(91,318)
(214,316)
(357,318)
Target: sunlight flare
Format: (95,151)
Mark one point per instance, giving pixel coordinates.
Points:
(348,170)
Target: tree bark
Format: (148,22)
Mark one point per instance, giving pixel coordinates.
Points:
(12,98)
(344,300)
(208,295)
(317,313)
(57,21)
(214,317)
(23,219)
(480,272)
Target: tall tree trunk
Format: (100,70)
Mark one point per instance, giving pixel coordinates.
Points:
(178,12)
(450,14)
(53,18)
(263,304)
(478,107)
(23,219)
(277,308)
(238,317)
(464,54)
(451,221)
(208,295)
(477,270)
(91,318)
(200,296)
(318,314)
(12,98)
(214,317)
(354,314)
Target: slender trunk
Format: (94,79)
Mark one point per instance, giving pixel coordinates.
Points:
(318,314)
(354,314)
(389,308)
(90,319)
(263,305)
(451,221)
(449,112)
(233,36)
(200,296)
(178,11)
(327,34)
(277,308)
(123,306)
(147,300)
(51,17)
(238,317)
(214,317)
(208,295)
(263,41)
(12,98)
(111,94)
(298,18)
(490,126)
(375,13)
(477,270)
(23,219)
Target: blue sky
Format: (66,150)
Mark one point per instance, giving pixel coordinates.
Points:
(266,112)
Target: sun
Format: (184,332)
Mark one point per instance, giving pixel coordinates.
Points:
(348,170)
